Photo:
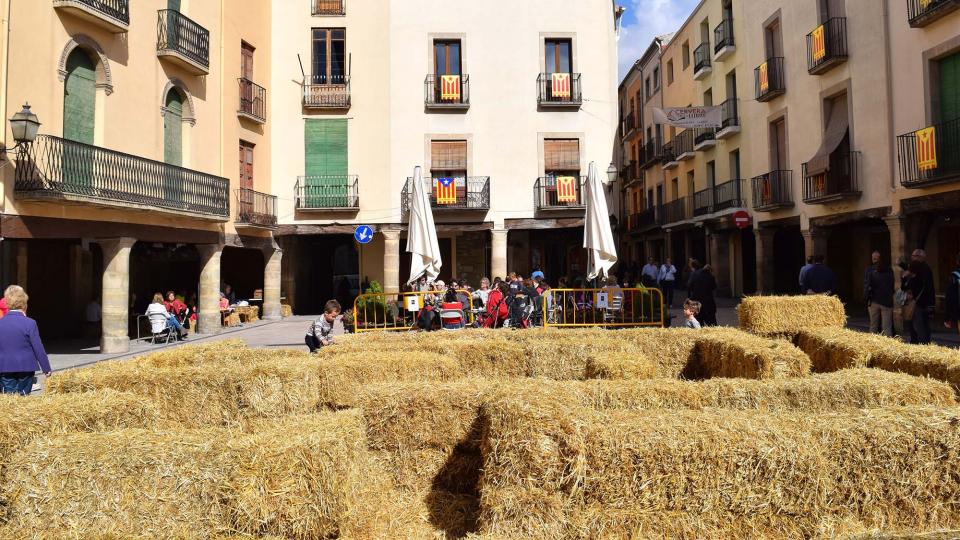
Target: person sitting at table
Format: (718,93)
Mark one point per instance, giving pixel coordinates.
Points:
(452,302)
(175,307)
(229,294)
(158,307)
(497,310)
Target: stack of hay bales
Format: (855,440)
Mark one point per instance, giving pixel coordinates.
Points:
(785,316)
(734,353)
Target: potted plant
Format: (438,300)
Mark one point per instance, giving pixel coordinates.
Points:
(349,323)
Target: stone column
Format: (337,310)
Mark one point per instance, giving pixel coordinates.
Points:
(115,306)
(21,260)
(898,250)
(288,270)
(271,283)
(391,261)
(814,242)
(718,248)
(765,266)
(208,312)
(498,253)
(668,246)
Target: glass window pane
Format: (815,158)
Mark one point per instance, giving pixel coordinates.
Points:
(337,61)
(440,58)
(551,59)
(565,57)
(454,58)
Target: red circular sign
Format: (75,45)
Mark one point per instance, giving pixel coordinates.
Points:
(741,219)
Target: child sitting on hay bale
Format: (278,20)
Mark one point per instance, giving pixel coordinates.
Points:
(318,335)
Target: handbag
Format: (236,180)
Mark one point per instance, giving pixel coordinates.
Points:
(909,308)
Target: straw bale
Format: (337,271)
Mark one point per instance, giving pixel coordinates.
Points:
(832,349)
(618,366)
(787,315)
(560,472)
(933,361)
(342,377)
(674,350)
(733,353)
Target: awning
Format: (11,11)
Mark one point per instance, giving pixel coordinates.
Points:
(837,127)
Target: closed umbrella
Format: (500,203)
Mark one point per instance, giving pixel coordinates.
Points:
(422,236)
(597,236)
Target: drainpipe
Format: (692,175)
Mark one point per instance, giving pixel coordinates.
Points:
(888,61)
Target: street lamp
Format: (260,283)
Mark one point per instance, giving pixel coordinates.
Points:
(24,126)
(612,172)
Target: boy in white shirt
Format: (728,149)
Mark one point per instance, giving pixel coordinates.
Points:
(318,335)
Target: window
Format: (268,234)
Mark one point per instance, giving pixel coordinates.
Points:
(659,194)
(79,97)
(557,56)
(691,184)
(561,157)
(708,98)
(669,72)
(675,189)
(649,198)
(646,89)
(656,78)
(448,159)
(246,165)
(246,60)
(636,201)
(711,174)
(773,40)
(325,163)
(828,9)
(329,56)
(735,164)
(778,145)
(447,57)
(732,85)
(686,54)
(948,71)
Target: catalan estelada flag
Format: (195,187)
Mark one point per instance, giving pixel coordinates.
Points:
(764,77)
(927,148)
(450,87)
(446,190)
(924,4)
(566,189)
(560,85)
(818,44)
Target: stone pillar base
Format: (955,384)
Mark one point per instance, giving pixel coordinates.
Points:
(498,253)
(208,312)
(115,305)
(271,284)
(114,345)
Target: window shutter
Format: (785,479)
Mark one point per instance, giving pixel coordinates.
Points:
(448,155)
(79,98)
(561,155)
(950,88)
(325,145)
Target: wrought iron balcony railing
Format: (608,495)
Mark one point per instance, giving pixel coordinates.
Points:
(550,193)
(773,191)
(253,101)
(645,219)
(630,124)
(256,209)
(703,202)
(704,138)
(328,7)
(723,36)
(701,58)
(59,169)
(730,114)
(652,152)
(472,193)
(677,210)
(323,92)
(183,39)
(683,144)
(114,15)
(842,181)
(930,155)
(770,79)
(923,12)
(327,192)
(446,91)
(728,195)
(667,153)
(559,90)
(827,46)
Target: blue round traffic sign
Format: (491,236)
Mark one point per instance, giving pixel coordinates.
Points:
(363,234)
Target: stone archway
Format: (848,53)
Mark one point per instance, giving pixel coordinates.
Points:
(103,73)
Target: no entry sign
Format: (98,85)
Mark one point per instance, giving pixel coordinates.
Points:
(741,219)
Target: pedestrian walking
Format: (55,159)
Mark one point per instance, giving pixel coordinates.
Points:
(803,274)
(921,291)
(878,288)
(819,279)
(21,351)
(667,279)
(703,286)
(650,273)
(319,333)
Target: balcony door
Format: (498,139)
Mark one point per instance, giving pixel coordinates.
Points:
(79,113)
(246,72)
(448,160)
(558,56)
(173,144)
(447,62)
(949,75)
(329,56)
(246,206)
(561,161)
(326,180)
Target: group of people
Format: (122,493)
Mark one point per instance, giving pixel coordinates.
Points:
(21,351)
(175,313)
(696,278)
(916,296)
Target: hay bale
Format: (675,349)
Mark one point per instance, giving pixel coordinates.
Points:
(833,349)
(733,353)
(617,366)
(307,477)
(673,350)
(933,361)
(343,377)
(786,315)
(557,472)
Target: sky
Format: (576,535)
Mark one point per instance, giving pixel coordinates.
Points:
(646,19)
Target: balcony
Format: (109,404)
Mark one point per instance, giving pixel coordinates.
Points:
(683,145)
(676,211)
(730,114)
(773,191)
(111,15)
(327,93)
(728,195)
(559,90)
(704,139)
(643,220)
(472,194)
(920,13)
(930,156)
(669,156)
(326,193)
(183,42)
(827,46)
(630,125)
(548,196)
(452,93)
(256,210)
(253,101)
(703,202)
(770,80)
(652,153)
(701,61)
(328,8)
(724,42)
(55,169)
(841,182)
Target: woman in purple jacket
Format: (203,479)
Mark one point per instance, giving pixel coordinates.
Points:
(21,352)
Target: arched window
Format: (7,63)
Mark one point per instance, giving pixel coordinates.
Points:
(79,97)
(173,128)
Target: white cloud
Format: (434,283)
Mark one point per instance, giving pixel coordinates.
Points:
(646,19)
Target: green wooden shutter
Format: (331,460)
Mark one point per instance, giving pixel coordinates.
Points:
(173,146)
(79,107)
(173,4)
(325,144)
(950,88)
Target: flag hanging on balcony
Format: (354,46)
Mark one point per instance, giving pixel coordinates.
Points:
(924,4)
(450,87)
(446,191)
(927,149)
(818,44)
(560,85)
(764,78)
(567,189)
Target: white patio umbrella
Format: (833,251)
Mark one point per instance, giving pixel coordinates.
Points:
(422,235)
(597,236)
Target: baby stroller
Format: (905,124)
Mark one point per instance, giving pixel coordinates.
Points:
(520,311)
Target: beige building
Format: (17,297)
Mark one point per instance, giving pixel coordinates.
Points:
(831,99)
(133,185)
(507,110)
